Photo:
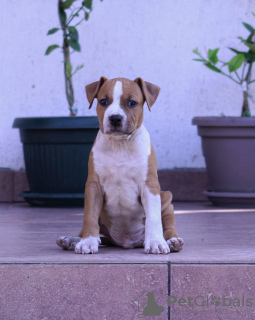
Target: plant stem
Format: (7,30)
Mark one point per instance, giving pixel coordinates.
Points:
(245,108)
(248,75)
(66,52)
(230,77)
(68,80)
(244,66)
(79,22)
(238,76)
(61,23)
(199,54)
(67,24)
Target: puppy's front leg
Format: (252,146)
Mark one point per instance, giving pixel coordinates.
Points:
(154,239)
(92,209)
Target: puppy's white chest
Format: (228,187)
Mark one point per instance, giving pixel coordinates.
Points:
(121,184)
(122,168)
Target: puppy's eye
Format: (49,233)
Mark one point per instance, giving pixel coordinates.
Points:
(103,102)
(132,103)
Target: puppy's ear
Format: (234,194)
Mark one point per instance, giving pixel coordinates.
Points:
(150,91)
(93,88)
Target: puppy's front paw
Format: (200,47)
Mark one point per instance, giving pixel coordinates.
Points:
(88,245)
(175,244)
(67,243)
(156,246)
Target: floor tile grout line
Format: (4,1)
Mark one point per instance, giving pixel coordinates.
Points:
(80,263)
(168,289)
(213,263)
(124,262)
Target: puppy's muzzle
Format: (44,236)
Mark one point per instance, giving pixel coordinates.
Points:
(116,120)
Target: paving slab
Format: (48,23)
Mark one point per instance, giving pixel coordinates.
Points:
(212,292)
(80,292)
(39,280)
(211,235)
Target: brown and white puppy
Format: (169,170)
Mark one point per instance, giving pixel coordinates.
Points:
(123,200)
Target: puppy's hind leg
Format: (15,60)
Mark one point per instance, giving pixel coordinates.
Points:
(168,221)
(67,243)
(105,236)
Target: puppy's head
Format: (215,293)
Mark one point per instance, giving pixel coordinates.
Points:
(120,103)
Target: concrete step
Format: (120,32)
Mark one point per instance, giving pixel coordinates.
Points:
(212,278)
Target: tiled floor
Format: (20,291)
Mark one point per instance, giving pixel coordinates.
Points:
(212,278)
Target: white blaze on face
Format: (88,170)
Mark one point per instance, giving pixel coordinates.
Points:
(114,108)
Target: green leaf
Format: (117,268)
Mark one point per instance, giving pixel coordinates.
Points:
(203,60)
(248,55)
(212,55)
(234,50)
(51,48)
(248,27)
(78,68)
(250,45)
(195,51)
(87,4)
(51,31)
(224,64)
(236,62)
(74,44)
(212,67)
(86,16)
(73,34)
(249,39)
(68,69)
(67,4)
(71,29)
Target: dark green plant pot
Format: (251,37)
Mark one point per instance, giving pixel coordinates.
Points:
(56,152)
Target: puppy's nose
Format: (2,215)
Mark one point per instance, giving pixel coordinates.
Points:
(116,120)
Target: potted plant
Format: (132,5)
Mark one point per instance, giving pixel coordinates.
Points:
(228,143)
(56,149)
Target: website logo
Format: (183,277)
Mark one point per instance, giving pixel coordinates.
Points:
(152,308)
